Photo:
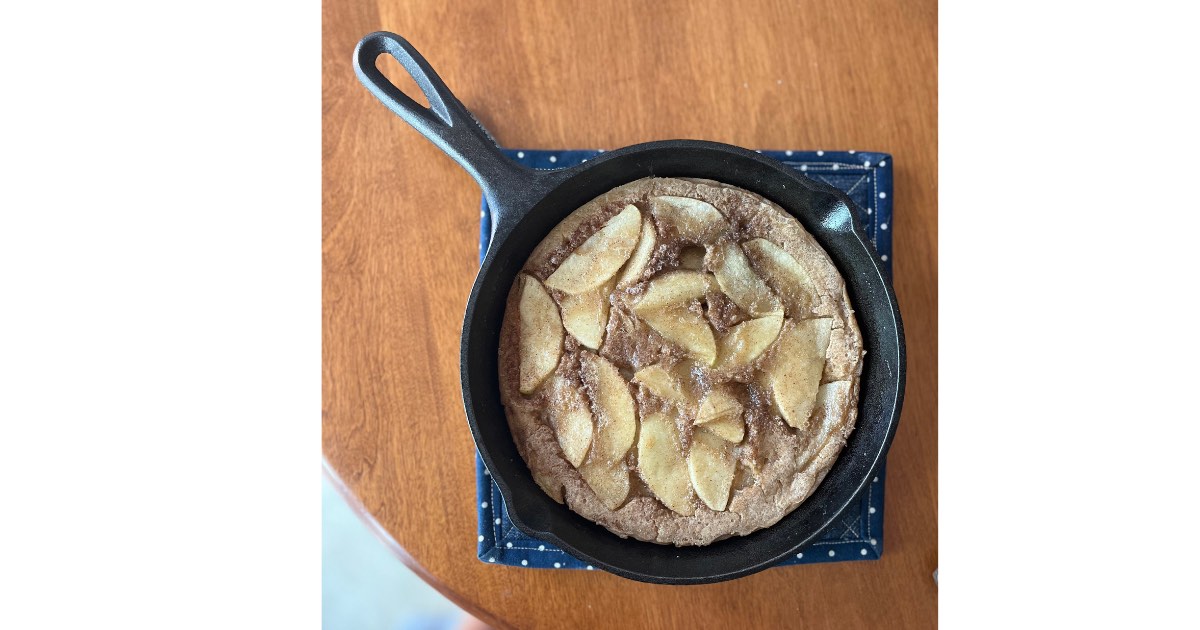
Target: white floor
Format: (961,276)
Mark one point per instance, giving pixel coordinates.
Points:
(364,586)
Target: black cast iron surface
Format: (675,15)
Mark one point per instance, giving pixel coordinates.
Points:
(528,203)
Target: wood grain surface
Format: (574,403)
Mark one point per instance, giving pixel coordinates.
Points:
(400,232)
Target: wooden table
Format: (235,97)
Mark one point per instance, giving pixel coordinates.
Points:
(400,231)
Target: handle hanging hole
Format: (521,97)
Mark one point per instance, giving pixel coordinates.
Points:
(395,72)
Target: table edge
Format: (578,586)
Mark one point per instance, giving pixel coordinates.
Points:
(401,553)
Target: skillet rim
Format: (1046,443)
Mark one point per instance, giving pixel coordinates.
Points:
(551,182)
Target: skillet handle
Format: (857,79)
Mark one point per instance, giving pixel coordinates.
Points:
(511,189)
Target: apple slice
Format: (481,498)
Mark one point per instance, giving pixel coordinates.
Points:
(664,307)
(641,254)
(785,274)
(585,315)
(662,465)
(686,329)
(748,340)
(794,372)
(572,421)
(600,256)
(832,401)
(738,280)
(732,429)
(613,405)
(540,341)
(718,404)
(721,414)
(711,465)
(691,257)
(574,431)
(672,289)
(695,221)
(610,481)
(662,383)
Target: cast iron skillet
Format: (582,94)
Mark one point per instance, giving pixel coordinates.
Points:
(527,203)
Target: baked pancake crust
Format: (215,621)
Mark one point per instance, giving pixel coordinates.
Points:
(709,365)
